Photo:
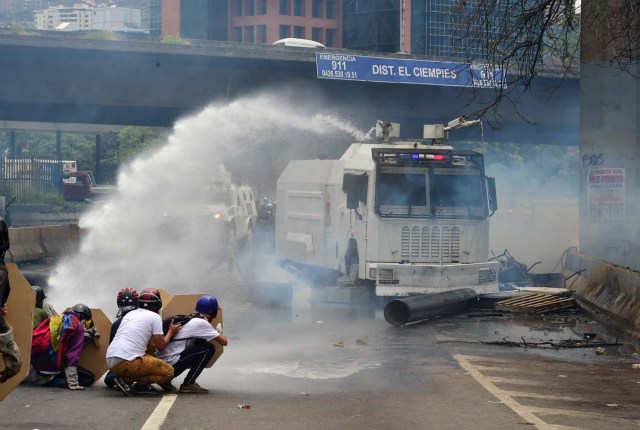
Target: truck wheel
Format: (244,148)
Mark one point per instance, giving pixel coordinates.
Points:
(231,241)
(248,241)
(352,273)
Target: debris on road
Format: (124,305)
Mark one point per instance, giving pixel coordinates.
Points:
(339,344)
(364,340)
(535,303)
(244,406)
(599,350)
(514,273)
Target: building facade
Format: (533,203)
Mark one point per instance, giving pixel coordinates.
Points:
(81,17)
(251,21)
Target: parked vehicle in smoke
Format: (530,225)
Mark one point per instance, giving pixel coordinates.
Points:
(234,207)
(81,186)
(401,217)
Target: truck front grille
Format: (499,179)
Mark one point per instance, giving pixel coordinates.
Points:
(486,276)
(387,277)
(430,242)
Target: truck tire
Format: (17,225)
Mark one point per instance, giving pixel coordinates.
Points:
(352,262)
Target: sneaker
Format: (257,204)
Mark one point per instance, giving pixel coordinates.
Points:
(167,387)
(147,389)
(193,389)
(123,386)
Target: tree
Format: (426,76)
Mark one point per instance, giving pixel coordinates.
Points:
(135,140)
(528,37)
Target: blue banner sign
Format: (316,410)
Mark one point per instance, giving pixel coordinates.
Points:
(409,71)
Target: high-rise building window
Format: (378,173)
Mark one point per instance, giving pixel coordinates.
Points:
(330,38)
(316,9)
(332,9)
(237,7)
(316,34)
(285,7)
(261,36)
(248,8)
(262,7)
(237,34)
(298,31)
(248,34)
(284,31)
(298,7)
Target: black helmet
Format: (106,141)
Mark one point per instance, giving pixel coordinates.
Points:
(150,299)
(40,296)
(127,297)
(83,311)
(4,236)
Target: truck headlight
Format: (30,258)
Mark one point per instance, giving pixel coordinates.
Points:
(217,215)
(372,273)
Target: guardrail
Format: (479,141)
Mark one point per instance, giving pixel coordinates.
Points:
(605,287)
(36,243)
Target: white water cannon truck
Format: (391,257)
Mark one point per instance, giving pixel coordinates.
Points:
(403,217)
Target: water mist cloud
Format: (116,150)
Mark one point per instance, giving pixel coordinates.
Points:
(147,234)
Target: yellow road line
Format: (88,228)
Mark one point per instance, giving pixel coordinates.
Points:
(159,414)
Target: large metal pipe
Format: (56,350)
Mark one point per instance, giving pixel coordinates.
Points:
(409,309)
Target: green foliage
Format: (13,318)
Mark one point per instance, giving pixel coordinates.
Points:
(136,140)
(173,40)
(101,35)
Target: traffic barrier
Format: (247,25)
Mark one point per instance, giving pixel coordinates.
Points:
(609,288)
(25,244)
(57,240)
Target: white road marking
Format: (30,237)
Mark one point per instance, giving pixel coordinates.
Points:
(524,411)
(159,414)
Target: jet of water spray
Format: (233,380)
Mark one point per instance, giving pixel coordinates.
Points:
(154,232)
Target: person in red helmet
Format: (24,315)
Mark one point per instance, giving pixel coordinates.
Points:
(134,368)
(192,348)
(127,300)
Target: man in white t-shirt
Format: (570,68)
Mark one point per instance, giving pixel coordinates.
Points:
(192,347)
(127,355)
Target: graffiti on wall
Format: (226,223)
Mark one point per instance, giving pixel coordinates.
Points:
(592,159)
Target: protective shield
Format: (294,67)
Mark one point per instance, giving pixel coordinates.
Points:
(186,304)
(20,308)
(93,357)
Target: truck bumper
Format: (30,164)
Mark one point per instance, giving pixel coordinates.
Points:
(396,279)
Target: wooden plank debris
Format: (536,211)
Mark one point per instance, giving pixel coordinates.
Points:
(535,304)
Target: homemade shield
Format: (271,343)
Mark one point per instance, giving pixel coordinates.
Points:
(93,357)
(184,304)
(19,316)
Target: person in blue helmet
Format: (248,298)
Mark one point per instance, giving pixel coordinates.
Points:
(193,346)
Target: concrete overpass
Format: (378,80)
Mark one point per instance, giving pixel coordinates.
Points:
(60,79)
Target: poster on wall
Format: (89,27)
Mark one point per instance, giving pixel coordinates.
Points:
(605,195)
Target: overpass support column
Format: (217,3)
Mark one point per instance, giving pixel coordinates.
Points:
(58,145)
(609,138)
(98,156)
(12,144)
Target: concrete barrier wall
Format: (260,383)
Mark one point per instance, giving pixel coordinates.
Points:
(615,290)
(35,243)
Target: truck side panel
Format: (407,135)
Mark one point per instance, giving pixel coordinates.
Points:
(310,212)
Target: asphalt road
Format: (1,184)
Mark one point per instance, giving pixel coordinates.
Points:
(334,368)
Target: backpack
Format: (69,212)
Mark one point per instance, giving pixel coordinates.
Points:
(41,339)
(181,319)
